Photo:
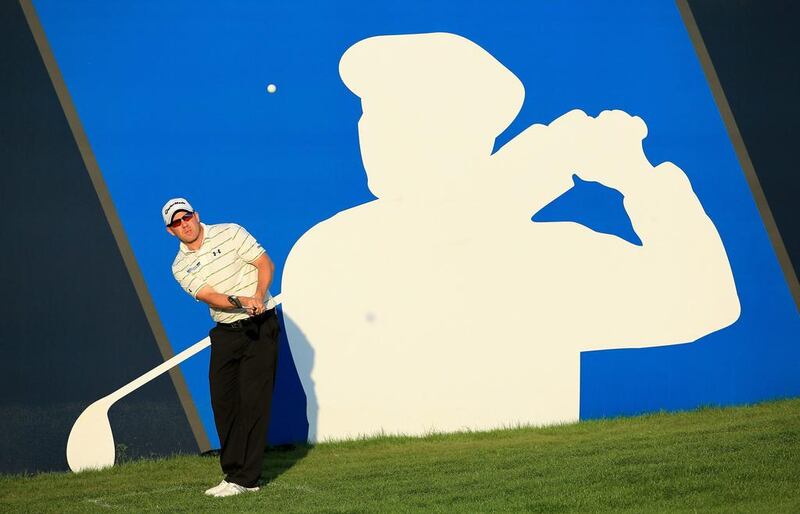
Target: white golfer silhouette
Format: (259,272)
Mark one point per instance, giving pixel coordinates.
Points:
(441,305)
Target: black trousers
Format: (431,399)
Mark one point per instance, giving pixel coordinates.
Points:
(242,377)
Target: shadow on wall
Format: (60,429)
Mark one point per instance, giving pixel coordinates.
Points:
(294,404)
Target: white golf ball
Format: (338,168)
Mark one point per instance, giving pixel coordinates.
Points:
(272,88)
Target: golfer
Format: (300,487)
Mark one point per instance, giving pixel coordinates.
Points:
(225,267)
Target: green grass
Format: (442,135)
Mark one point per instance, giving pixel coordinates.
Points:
(744,459)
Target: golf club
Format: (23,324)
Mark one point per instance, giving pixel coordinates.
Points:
(91,440)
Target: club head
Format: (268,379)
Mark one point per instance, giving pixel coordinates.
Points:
(91,441)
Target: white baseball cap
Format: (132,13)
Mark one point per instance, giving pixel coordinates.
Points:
(174,205)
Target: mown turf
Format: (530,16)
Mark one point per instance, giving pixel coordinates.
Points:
(744,459)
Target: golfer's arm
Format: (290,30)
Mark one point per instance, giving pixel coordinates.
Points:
(206,294)
(266,269)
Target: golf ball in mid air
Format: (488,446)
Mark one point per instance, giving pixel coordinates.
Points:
(272,88)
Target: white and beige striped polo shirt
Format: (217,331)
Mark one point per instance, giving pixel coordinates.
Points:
(222,262)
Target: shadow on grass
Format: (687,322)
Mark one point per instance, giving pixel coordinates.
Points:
(280,459)
(277,459)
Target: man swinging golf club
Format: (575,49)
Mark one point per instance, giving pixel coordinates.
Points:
(224,266)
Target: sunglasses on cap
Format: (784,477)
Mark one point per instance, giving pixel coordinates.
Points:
(177,221)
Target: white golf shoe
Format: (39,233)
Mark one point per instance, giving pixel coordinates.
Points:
(232,489)
(212,491)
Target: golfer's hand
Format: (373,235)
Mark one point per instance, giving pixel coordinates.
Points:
(253,306)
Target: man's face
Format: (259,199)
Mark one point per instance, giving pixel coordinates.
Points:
(187,230)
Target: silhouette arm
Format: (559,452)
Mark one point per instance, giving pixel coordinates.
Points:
(536,167)
(678,286)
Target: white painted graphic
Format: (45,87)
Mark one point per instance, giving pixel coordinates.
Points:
(91,440)
(441,305)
